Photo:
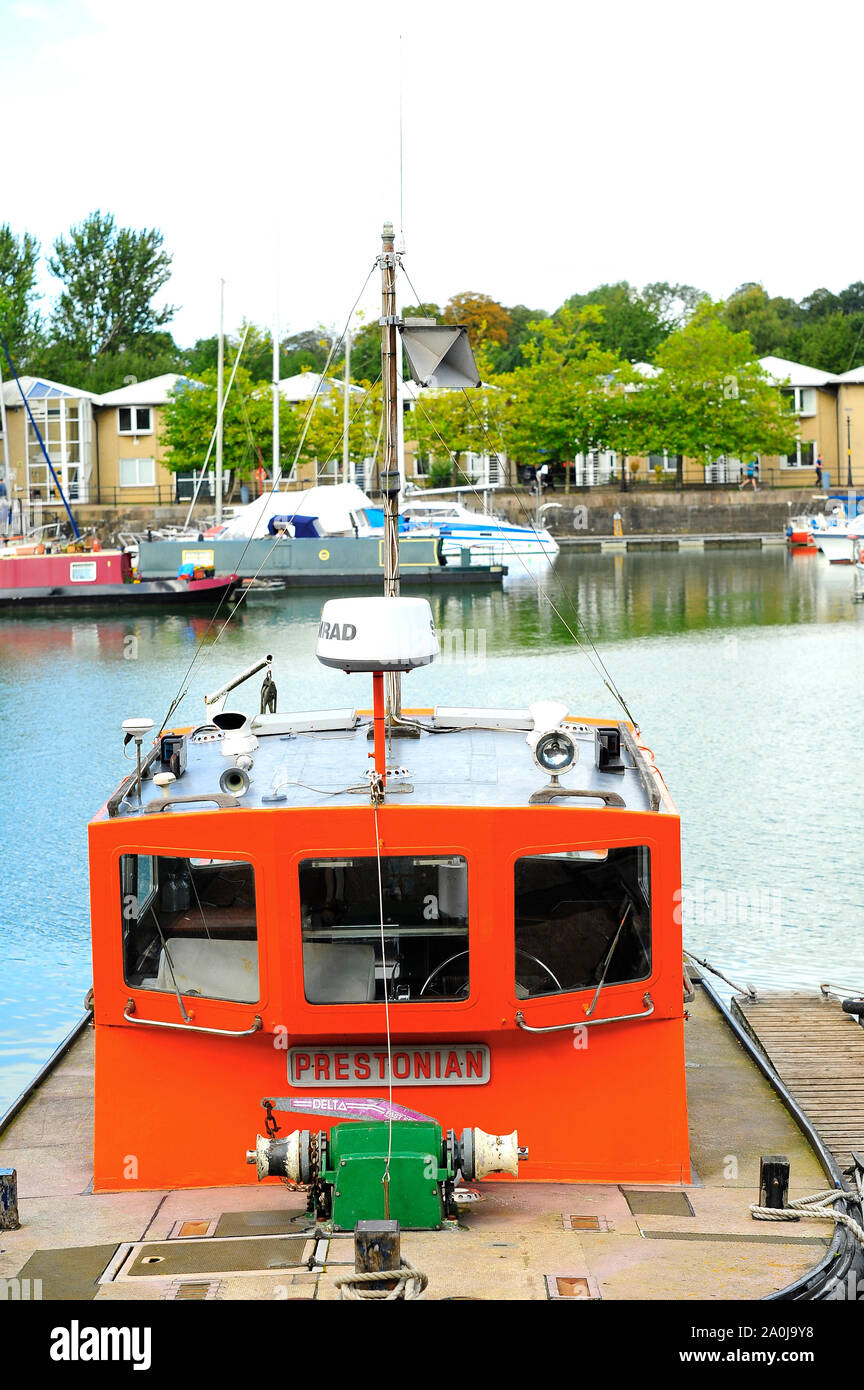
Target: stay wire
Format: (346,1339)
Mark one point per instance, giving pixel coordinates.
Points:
(386,1178)
(201,652)
(599,665)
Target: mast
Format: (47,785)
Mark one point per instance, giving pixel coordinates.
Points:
(390,472)
(220,382)
(346,453)
(276,469)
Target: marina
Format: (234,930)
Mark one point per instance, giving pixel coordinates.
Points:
(701,616)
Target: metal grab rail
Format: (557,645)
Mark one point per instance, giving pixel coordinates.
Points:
(128,1014)
(586,1022)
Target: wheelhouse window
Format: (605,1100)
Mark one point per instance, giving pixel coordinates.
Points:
(423,955)
(189,926)
(583,920)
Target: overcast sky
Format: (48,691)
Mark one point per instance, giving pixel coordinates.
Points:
(547,148)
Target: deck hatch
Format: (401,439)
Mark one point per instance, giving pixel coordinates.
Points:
(652,1203)
(211,1259)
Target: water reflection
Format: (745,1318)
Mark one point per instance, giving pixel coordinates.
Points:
(744,668)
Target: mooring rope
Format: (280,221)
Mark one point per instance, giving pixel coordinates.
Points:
(813,1208)
(409,1283)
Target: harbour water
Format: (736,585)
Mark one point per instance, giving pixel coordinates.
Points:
(744,669)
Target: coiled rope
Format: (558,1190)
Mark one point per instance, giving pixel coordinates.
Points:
(410,1283)
(813,1208)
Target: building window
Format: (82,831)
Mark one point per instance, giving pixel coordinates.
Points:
(134,419)
(802,398)
(189,926)
(583,920)
(137,472)
(421,950)
(804,457)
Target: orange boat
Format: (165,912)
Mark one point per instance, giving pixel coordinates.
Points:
(420,966)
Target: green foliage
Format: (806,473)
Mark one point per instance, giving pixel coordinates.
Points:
(323,442)
(711,397)
(110,276)
(568,396)
(633,325)
(19,320)
(190,419)
(447,424)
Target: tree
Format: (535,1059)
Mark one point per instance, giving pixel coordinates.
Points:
(485,319)
(19,320)
(568,396)
(629,325)
(190,419)
(710,397)
(110,276)
(767,321)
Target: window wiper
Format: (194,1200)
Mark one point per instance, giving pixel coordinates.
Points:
(183,1013)
(609,954)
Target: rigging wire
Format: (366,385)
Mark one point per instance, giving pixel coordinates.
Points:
(386,1178)
(202,652)
(219,418)
(596,661)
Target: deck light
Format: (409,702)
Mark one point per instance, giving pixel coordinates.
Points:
(555,752)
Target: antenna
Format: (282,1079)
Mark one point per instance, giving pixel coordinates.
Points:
(401,246)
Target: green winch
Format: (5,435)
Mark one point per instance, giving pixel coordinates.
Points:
(405,1171)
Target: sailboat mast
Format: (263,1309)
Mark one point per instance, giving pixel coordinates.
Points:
(220,390)
(390,472)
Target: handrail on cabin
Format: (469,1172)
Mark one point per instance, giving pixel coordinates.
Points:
(586,1022)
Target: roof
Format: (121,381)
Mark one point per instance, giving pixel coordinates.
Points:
(155,391)
(855,377)
(37,388)
(320,759)
(305,385)
(796,373)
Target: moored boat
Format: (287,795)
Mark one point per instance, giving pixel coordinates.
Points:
(445,990)
(33,578)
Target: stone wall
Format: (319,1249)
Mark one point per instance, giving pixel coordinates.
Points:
(709,512)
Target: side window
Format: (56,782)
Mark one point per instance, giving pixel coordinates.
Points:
(189,926)
(424,954)
(583,920)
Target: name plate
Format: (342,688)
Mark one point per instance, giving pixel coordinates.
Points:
(421,1064)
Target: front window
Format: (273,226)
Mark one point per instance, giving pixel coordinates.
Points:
(583,920)
(189,926)
(420,952)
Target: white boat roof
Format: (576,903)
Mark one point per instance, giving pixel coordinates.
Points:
(332,506)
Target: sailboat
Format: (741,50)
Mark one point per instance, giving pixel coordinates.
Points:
(415,977)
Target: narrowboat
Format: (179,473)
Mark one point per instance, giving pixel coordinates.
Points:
(36,577)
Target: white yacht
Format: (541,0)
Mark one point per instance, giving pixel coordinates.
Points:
(489,539)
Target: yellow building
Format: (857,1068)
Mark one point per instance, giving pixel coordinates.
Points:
(131,467)
(60,417)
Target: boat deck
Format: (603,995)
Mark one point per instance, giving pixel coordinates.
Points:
(519,1241)
(818,1051)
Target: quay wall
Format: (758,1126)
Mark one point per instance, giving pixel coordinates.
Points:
(643,511)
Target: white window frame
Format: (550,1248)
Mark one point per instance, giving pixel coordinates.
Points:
(135,429)
(795,460)
(803,399)
(150,482)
